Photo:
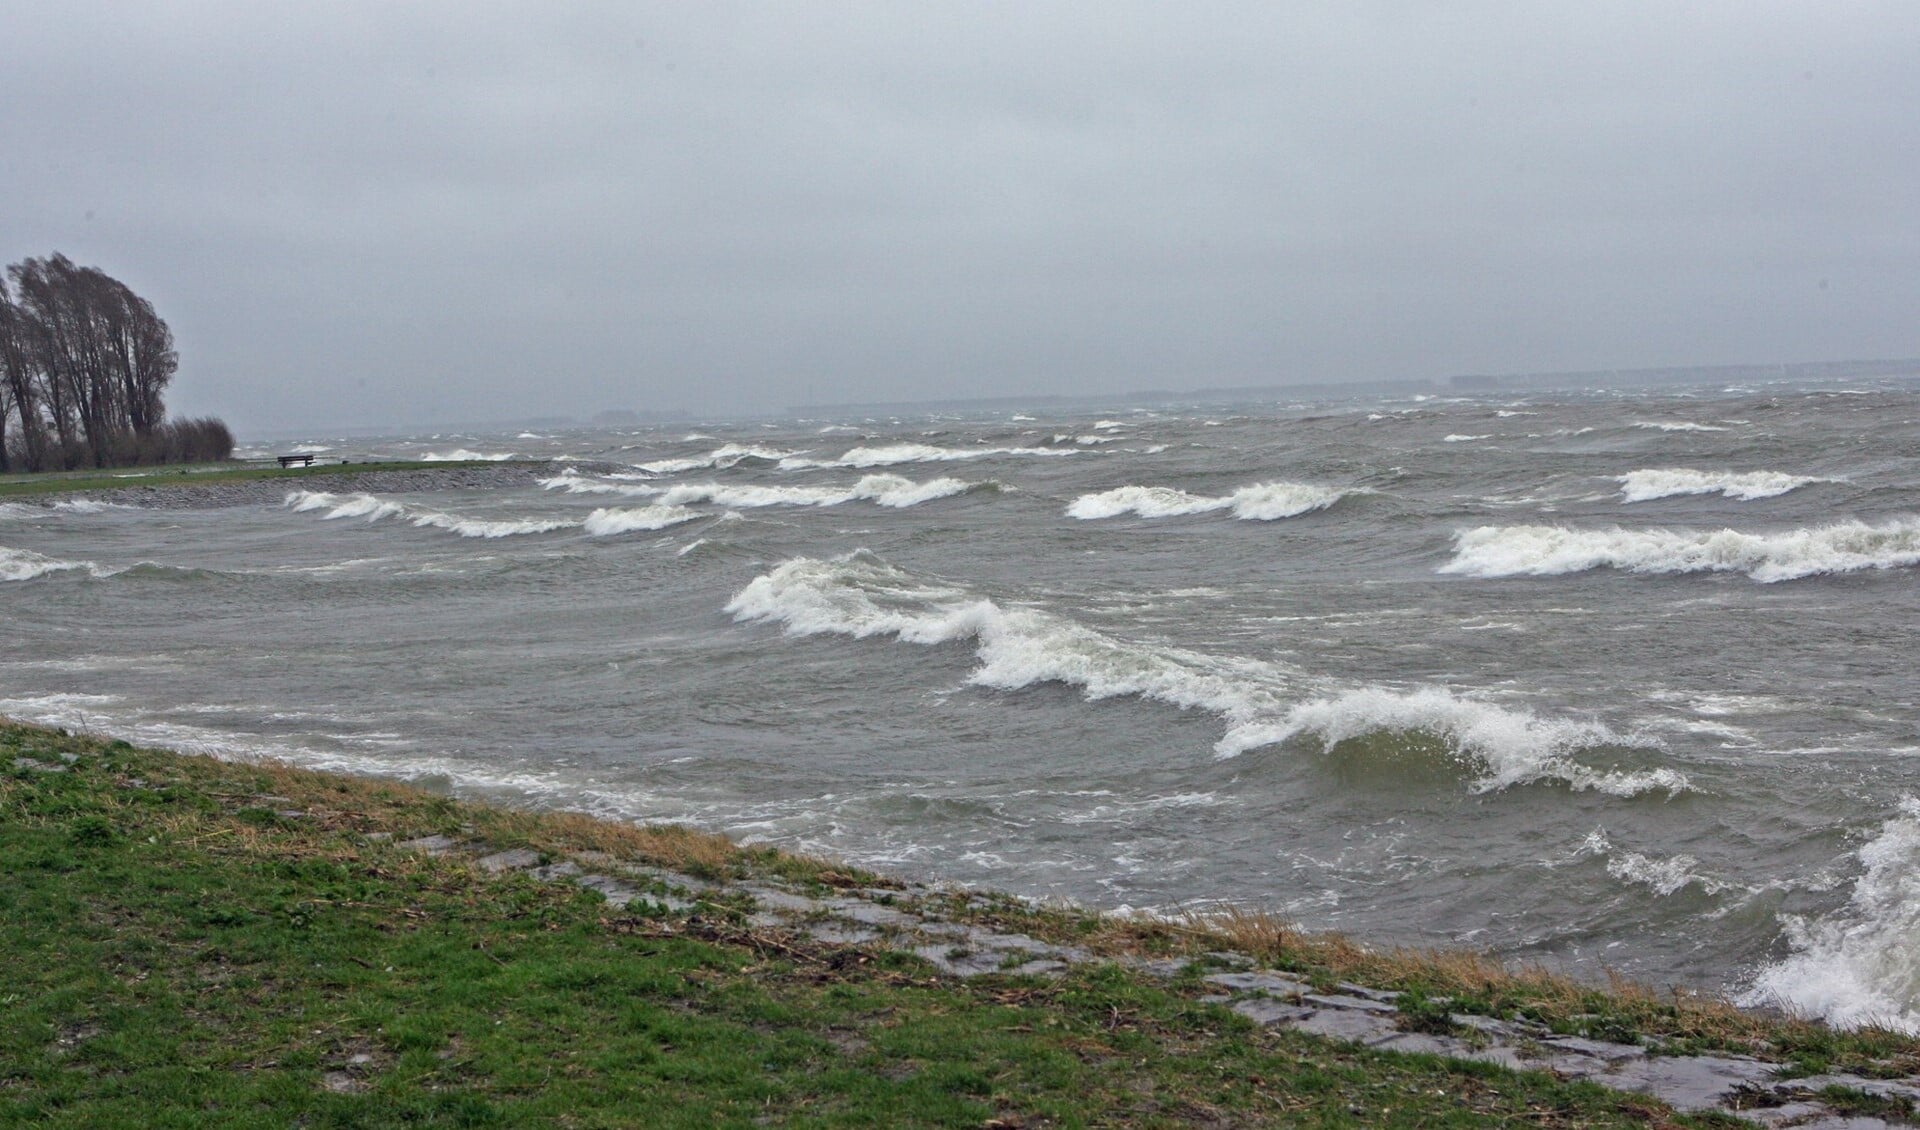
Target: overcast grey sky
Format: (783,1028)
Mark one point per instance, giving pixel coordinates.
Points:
(361,213)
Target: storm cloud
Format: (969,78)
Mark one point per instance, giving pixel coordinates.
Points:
(356,214)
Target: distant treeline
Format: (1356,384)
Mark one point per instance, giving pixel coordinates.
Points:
(83,363)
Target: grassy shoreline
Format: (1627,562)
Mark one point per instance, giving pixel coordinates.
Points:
(200,942)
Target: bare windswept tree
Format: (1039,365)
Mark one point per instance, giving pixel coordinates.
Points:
(84,362)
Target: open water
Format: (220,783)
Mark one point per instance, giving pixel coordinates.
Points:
(1610,681)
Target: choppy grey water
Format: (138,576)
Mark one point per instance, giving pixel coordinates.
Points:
(1619,681)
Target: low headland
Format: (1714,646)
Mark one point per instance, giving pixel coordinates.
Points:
(196,942)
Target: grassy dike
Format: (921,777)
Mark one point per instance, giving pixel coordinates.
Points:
(201,475)
(190,942)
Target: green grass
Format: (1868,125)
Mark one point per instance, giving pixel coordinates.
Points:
(179,952)
(200,474)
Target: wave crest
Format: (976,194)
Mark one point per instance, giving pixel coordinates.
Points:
(1541,551)
(883,490)
(465,455)
(609,521)
(1263,502)
(1647,485)
(1263,703)
(891,454)
(373,508)
(25,565)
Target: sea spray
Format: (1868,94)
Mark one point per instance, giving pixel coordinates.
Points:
(1262,702)
(1861,964)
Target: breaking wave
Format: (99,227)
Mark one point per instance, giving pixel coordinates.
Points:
(573,482)
(719,458)
(883,490)
(463,455)
(25,565)
(1509,551)
(25,511)
(1647,485)
(1260,502)
(1663,426)
(1263,703)
(604,522)
(373,508)
(1861,964)
(891,454)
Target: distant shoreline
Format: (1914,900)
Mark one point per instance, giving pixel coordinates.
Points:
(248,486)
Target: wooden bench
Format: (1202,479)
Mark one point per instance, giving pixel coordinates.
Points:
(290,460)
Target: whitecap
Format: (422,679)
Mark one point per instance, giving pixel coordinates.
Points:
(1263,502)
(1458,437)
(720,458)
(1508,551)
(861,596)
(891,454)
(574,483)
(605,522)
(373,509)
(1683,426)
(1653,483)
(25,565)
(891,491)
(463,455)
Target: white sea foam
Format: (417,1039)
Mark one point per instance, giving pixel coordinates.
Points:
(21,511)
(1661,876)
(25,565)
(1260,502)
(676,466)
(575,483)
(1458,437)
(896,453)
(602,523)
(464,455)
(719,458)
(373,508)
(1647,485)
(1861,964)
(88,506)
(1508,551)
(1262,702)
(1664,426)
(883,490)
